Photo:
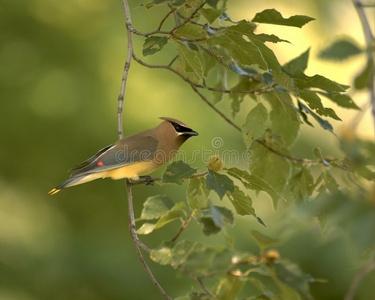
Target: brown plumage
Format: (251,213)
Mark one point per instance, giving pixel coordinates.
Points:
(134,156)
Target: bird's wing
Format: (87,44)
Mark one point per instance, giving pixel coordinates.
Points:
(132,149)
(90,160)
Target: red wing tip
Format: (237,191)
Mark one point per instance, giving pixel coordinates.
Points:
(53,191)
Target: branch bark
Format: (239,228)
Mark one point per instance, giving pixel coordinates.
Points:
(370,45)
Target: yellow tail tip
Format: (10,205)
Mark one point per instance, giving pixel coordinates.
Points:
(53,191)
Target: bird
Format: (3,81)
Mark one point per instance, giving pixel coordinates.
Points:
(134,156)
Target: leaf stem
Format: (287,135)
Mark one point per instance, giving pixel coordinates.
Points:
(183,226)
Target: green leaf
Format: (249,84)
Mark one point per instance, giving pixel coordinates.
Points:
(220,183)
(298,63)
(289,273)
(285,100)
(263,240)
(302,184)
(255,124)
(212,3)
(283,80)
(254,183)
(342,100)
(363,79)
(146,228)
(191,62)
(175,213)
(228,287)
(281,124)
(272,16)
(177,171)
(215,218)
(340,50)
(154,44)
(191,32)
(323,123)
(212,14)
(303,81)
(242,203)
(266,164)
(193,257)
(314,102)
(246,53)
(155,207)
(221,216)
(270,38)
(197,193)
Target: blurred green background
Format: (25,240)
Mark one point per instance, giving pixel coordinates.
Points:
(61,65)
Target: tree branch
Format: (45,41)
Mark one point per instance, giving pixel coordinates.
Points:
(137,242)
(370,44)
(126,68)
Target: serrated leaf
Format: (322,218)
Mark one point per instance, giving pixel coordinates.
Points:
(212,14)
(283,80)
(220,183)
(197,193)
(303,81)
(255,124)
(270,38)
(246,53)
(228,288)
(272,16)
(155,207)
(286,102)
(298,63)
(314,102)
(191,62)
(177,171)
(254,183)
(263,240)
(340,50)
(191,32)
(281,124)
(242,203)
(342,100)
(154,44)
(265,164)
(323,123)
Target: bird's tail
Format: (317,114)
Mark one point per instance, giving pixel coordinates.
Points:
(71,181)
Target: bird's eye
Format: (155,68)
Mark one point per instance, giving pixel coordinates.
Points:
(177,127)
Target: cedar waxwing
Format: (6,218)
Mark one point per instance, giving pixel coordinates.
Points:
(133,156)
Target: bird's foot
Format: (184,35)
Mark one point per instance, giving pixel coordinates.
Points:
(148,180)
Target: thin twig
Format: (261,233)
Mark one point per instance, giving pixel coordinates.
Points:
(370,43)
(350,295)
(183,226)
(173,9)
(138,243)
(190,17)
(126,68)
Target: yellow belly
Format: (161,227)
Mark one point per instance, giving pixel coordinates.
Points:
(133,170)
